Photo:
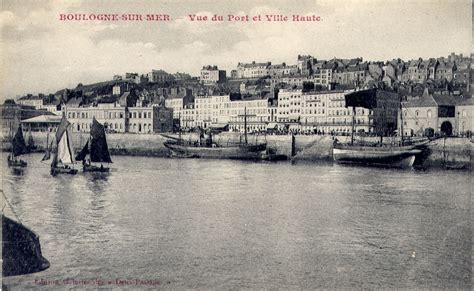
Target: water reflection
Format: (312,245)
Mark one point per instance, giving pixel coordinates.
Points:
(234,225)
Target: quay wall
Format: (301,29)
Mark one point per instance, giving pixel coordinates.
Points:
(439,153)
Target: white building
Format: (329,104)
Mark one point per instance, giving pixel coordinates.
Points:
(203,111)
(212,75)
(253,70)
(176,104)
(140,119)
(465,116)
(111,115)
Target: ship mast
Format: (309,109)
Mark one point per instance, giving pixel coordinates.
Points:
(245,124)
(179,128)
(353,124)
(401,121)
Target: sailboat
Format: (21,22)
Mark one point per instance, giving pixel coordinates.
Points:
(206,148)
(62,162)
(18,147)
(385,155)
(97,150)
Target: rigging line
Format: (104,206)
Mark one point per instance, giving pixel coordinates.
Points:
(11,208)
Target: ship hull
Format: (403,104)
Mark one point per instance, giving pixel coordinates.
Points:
(60,170)
(248,152)
(399,157)
(93,168)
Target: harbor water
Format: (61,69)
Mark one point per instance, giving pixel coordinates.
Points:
(201,224)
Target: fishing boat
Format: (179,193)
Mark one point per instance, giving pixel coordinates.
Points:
(62,161)
(208,149)
(396,155)
(18,147)
(96,149)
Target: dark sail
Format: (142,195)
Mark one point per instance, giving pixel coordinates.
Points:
(83,153)
(18,143)
(99,150)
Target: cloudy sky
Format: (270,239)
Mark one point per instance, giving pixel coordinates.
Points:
(40,53)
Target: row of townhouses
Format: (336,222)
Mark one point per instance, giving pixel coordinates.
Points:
(292,109)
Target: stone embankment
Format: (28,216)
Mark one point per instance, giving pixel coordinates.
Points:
(443,152)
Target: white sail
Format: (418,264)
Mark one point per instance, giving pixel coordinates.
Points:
(64,149)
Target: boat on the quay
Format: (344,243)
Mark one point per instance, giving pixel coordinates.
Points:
(95,150)
(208,149)
(397,155)
(62,161)
(18,147)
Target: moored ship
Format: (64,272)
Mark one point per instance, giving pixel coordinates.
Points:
(206,148)
(214,151)
(380,154)
(386,156)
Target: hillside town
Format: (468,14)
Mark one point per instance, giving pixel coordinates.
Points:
(302,98)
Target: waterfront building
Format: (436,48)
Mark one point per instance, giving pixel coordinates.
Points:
(289,106)
(187,117)
(203,111)
(110,114)
(465,116)
(428,114)
(41,123)
(327,111)
(140,119)
(162,119)
(212,75)
(257,110)
(220,110)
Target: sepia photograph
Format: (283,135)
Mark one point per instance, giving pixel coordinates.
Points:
(228,145)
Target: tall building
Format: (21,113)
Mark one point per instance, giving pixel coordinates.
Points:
(212,75)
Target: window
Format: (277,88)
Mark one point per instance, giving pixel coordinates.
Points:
(417,113)
(429,113)
(464,113)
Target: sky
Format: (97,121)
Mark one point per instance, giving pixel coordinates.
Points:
(42,54)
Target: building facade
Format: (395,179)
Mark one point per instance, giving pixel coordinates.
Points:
(212,75)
